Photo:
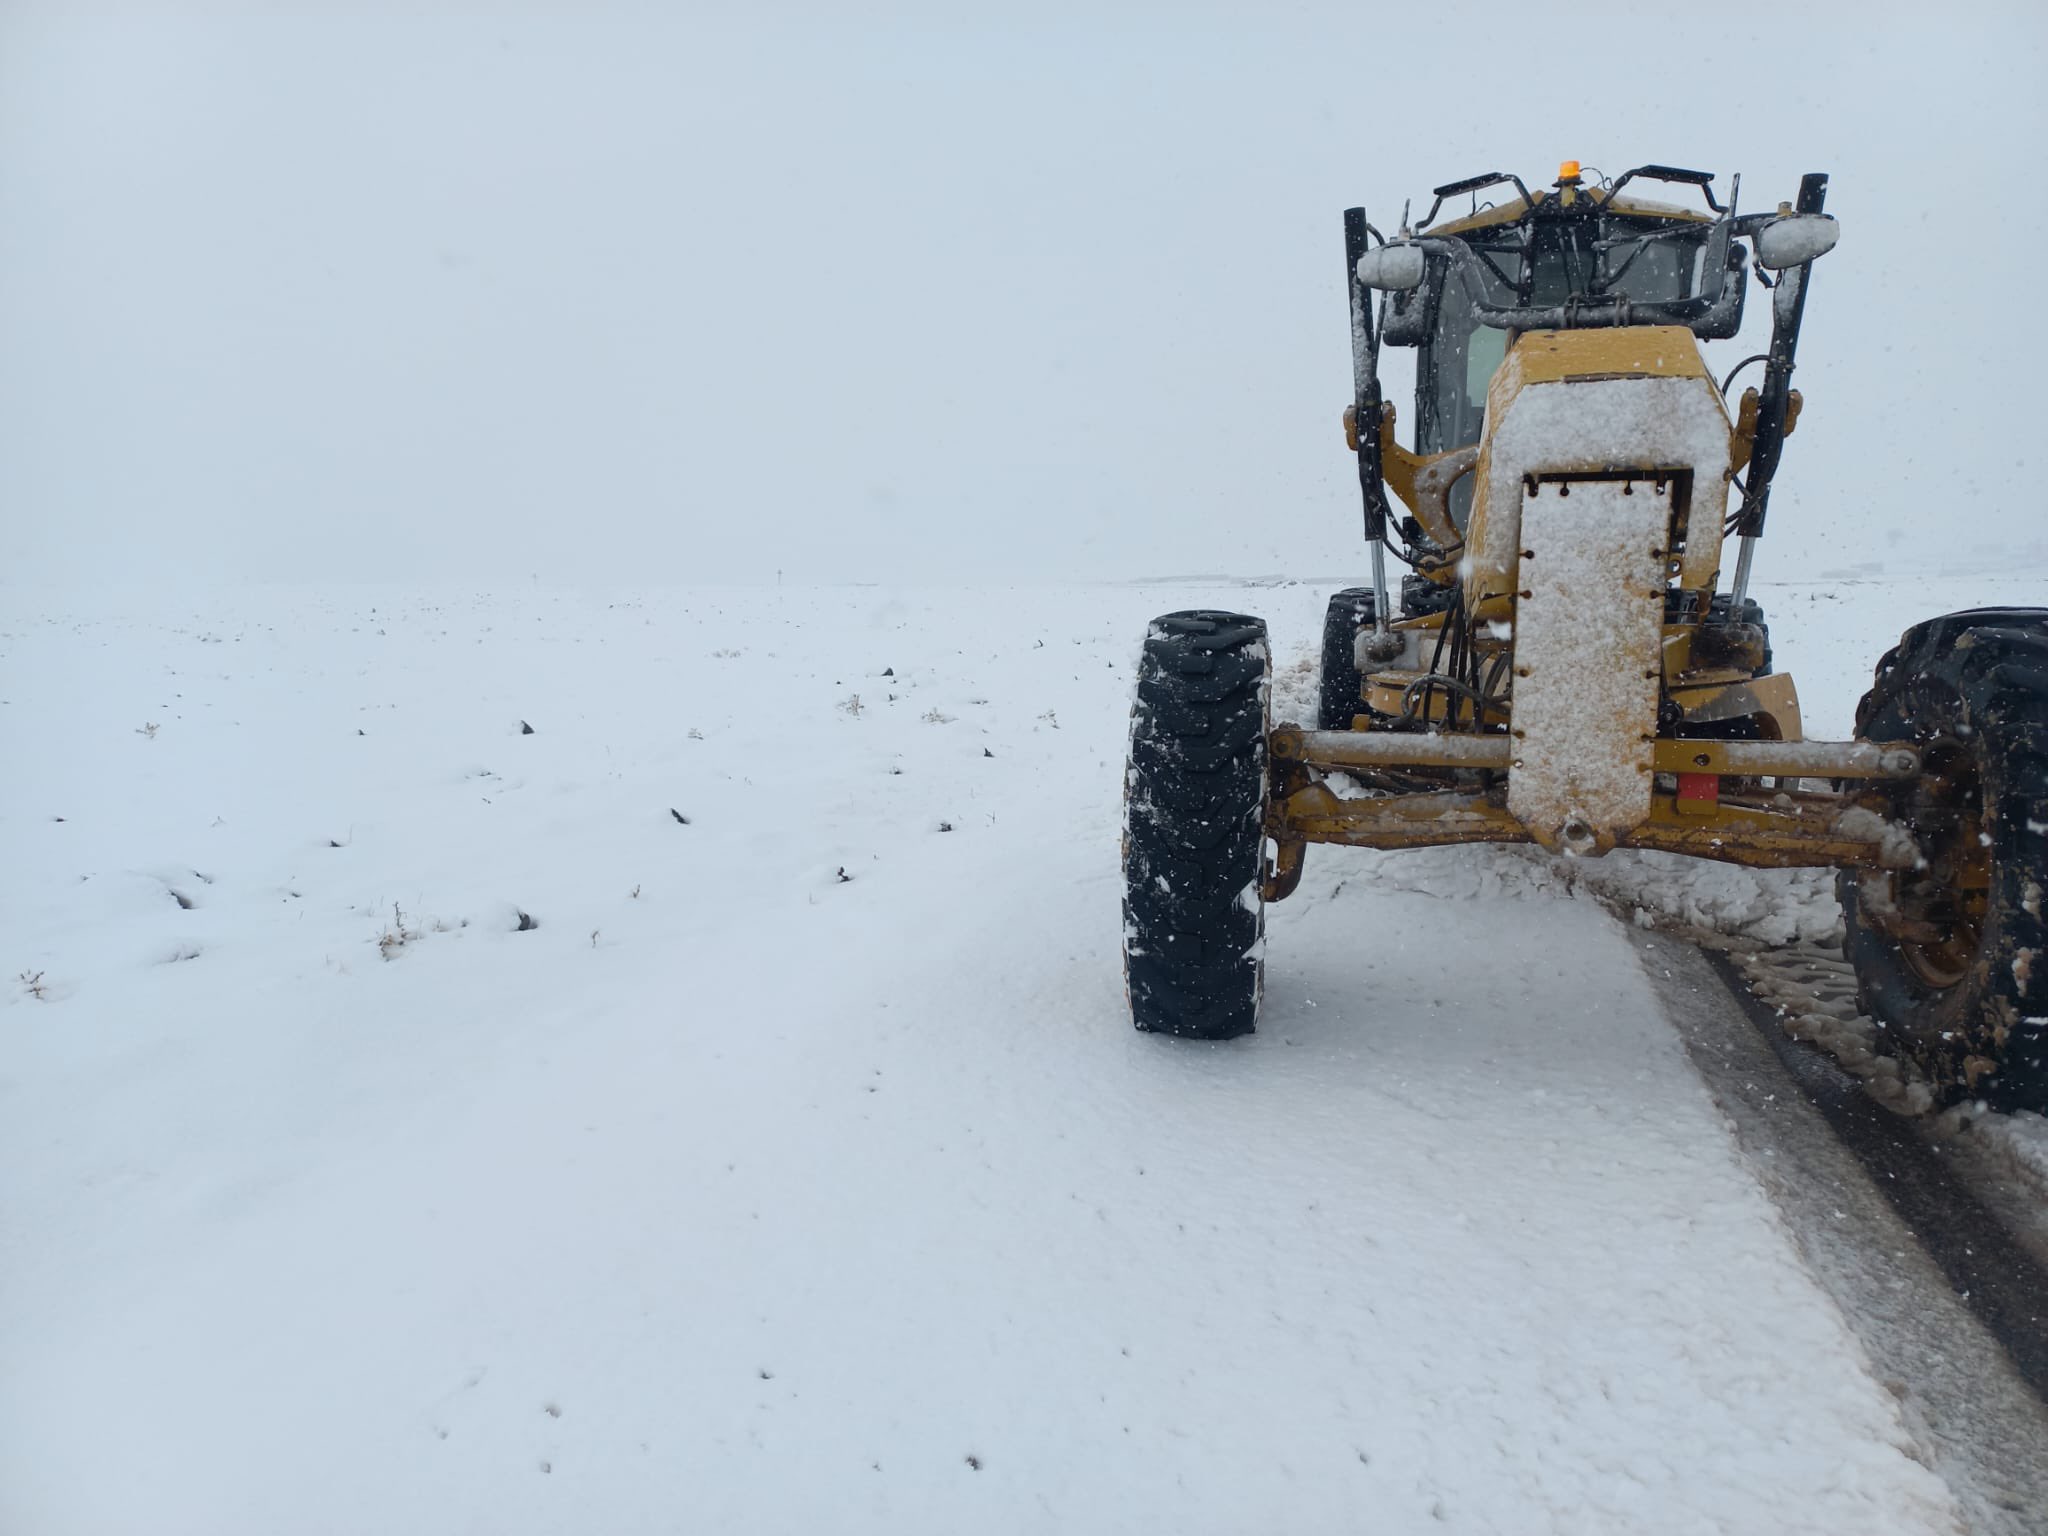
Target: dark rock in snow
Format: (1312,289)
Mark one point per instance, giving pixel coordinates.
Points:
(525,729)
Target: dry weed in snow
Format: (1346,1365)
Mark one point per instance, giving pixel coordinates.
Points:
(397,933)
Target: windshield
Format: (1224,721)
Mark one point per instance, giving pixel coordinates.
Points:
(1462,354)
(1548,263)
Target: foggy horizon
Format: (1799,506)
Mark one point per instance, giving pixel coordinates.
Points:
(634,297)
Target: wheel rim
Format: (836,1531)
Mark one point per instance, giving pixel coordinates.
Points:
(1938,909)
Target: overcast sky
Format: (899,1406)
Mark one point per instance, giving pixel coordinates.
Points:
(686,293)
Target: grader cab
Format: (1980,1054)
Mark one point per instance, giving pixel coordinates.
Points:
(1574,659)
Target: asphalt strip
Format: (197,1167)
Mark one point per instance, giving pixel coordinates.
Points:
(1952,1313)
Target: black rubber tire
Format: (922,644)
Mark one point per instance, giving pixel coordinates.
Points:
(1343,690)
(1975,686)
(1722,609)
(1421,597)
(1194,810)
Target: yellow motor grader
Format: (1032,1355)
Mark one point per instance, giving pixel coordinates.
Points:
(1566,664)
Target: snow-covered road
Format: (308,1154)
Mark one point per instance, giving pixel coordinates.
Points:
(799,1170)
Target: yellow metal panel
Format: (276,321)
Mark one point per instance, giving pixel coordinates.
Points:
(1610,352)
(1775,698)
(1588,359)
(1587,629)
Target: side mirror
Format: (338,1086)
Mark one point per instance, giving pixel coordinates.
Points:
(1392,268)
(1793,239)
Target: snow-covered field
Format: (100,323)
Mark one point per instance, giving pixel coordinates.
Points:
(715,1109)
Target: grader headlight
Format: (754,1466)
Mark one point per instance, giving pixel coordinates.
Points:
(1794,239)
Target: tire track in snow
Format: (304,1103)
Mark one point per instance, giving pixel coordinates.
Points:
(1948,1307)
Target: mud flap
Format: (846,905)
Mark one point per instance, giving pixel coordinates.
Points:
(1589,619)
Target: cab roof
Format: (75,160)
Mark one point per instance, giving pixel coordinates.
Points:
(1516,208)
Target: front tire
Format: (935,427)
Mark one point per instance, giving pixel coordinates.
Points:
(1194,826)
(1951,957)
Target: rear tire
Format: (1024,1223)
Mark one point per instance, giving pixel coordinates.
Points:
(1421,597)
(1723,609)
(1351,613)
(1194,809)
(1951,958)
